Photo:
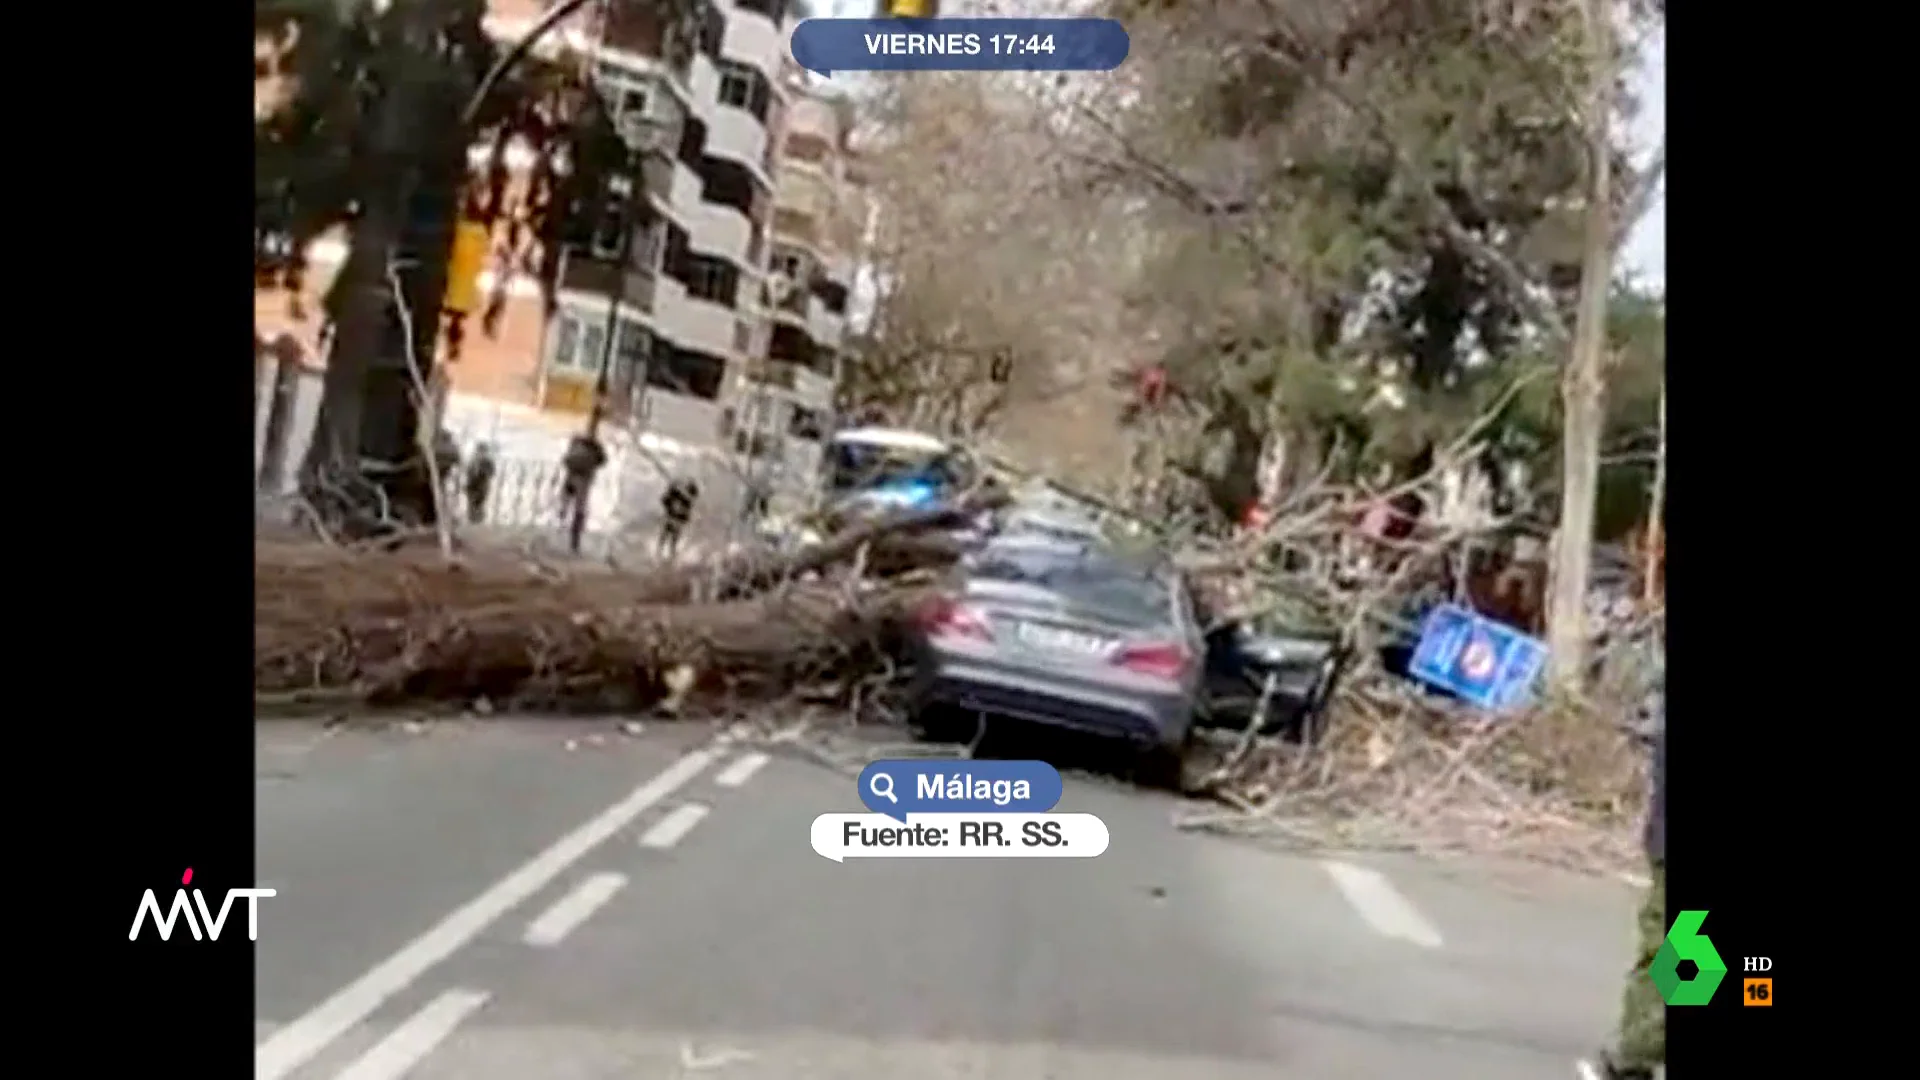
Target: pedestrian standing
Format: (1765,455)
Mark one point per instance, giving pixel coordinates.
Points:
(581,462)
(446,458)
(479,483)
(676,509)
(1640,1047)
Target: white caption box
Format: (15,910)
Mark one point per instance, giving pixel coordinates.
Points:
(959,836)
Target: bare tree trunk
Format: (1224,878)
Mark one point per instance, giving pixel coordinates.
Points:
(1656,510)
(362,472)
(1583,385)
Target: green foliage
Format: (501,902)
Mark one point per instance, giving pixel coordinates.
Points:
(1366,169)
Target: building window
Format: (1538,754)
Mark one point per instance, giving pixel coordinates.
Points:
(713,29)
(772,9)
(577,340)
(791,345)
(744,88)
(653,247)
(832,294)
(743,337)
(686,371)
(612,231)
(674,259)
(804,147)
(713,279)
(807,424)
(789,263)
(633,345)
(632,101)
(630,95)
(693,142)
(793,268)
(727,183)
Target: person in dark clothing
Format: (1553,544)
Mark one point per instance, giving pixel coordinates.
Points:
(446,464)
(1640,1047)
(579,464)
(676,509)
(479,483)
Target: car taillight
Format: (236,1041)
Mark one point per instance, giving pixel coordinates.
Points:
(1162,661)
(945,617)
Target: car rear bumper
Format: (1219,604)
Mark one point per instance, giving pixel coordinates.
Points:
(1146,721)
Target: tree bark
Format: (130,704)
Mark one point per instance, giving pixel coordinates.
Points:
(1582,386)
(363,472)
(271,478)
(1656,531)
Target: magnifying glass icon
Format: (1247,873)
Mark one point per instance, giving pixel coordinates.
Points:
(882,790)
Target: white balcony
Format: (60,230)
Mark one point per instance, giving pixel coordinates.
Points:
(686,190)
(838,266)
(808,115)
(812,388)
(713,229)
(753,39)
(805,191)
(696,324)
(735,135)
(703,86)
(823,326)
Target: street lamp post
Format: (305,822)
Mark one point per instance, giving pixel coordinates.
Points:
(649,136)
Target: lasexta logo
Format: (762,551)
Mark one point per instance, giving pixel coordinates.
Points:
(192,906)
(1686,942)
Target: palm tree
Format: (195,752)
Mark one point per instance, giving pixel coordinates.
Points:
(382,105)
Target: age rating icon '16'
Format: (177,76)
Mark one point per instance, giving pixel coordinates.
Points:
(1686,942)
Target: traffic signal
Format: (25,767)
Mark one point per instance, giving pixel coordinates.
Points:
(906,9)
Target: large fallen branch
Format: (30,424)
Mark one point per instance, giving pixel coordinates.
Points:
(405,624)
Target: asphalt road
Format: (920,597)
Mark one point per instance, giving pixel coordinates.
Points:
(533,900)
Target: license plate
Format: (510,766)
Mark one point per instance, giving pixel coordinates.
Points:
(1059,639)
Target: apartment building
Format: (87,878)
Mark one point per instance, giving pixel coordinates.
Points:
(820,221)
(685,315)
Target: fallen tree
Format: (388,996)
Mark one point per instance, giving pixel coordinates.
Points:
(340,625)
(346,629)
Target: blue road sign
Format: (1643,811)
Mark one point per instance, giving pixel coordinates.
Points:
(1480,661)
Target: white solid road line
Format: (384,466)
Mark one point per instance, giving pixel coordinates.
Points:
(1381,905)
(568,912)
(671,829)
(741,770)
(409,1044)
(299,1041)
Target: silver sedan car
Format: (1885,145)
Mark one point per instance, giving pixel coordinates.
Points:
(1066,634)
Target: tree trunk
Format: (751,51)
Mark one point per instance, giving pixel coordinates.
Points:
(271,479)
(1582,386)
(1656,512)
(364,472)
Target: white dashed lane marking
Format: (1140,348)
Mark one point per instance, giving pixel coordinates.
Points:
(409,1044)
(568,912)
(1382,906)
(300,1041)
(674,827)
(741,770)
